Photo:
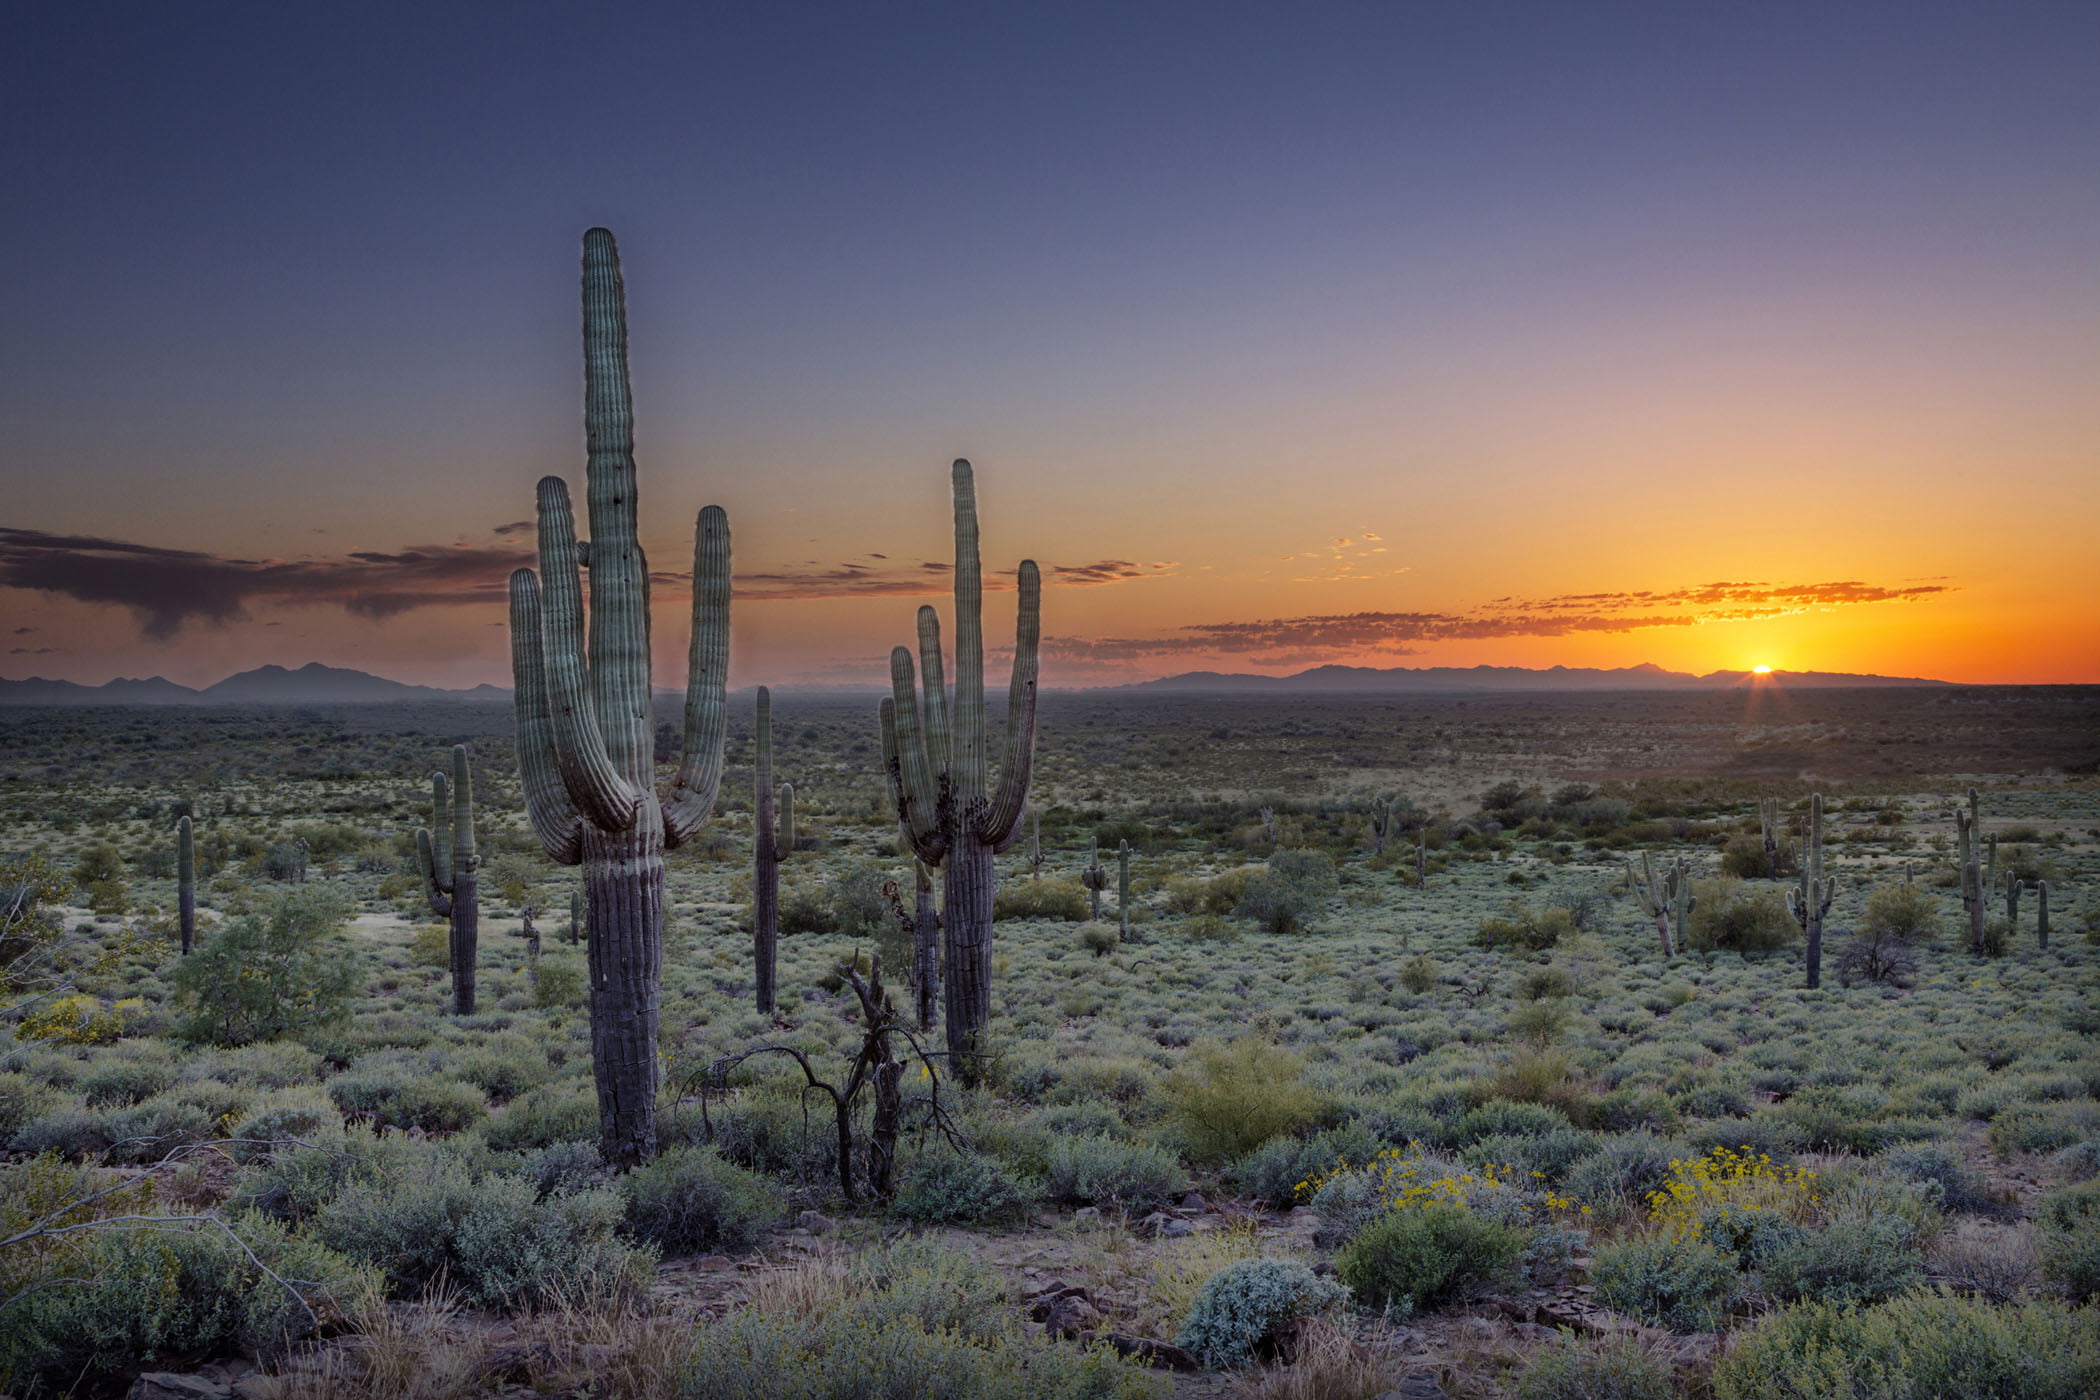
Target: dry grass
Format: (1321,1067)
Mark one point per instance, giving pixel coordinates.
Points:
(1330,1366)
(1988,1260)
(1171,1273)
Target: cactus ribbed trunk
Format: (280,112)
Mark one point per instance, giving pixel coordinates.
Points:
(765,858)
(938,771)
(1093,877)
(1810,899)
(1975,878)
(925,949)
(446,852)
(186,883)
(585,733)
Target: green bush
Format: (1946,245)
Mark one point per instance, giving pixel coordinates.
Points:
(1730,917)
(1294,886)
(1685,1285)
(161,1293)
(1240,1309)
(1230,1097)
(1056,898)
(1273,1172)
(1418,1256)
(689,1200)
(562,1112)
(1527,930)
(1847,1261)
(962,1188)
(1595,1369)
(118,1080)
(491,1237)
(557,983)
(2070,1235)
(282,973)
(1920,1345)
(1104,1172)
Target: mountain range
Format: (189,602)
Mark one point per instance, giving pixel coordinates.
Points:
(316,684)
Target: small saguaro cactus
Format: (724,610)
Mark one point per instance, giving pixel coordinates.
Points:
(1666,898)
(1381,823)
(586,737)
(531,936)
(576,917)
(446,854)
(186,883)
(1979,866)
(925,947)
(1094,877)
(2014,888)
(1123,890)
(1769,822)
(768,845)
(1809,900)
(1035,845)
(939,777)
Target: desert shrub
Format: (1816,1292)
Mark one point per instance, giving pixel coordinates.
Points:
(1623,1170)
(1686,1285)
(563,1112)
(1528,929)
(1545,984)
(291,1117)
(1416,1256)
(688,1200)
(492,1237)
(80,1019)
(1418,974)
(1056,898)
(1744,858)
(1239,1309)
(272,975)
(1230,1097)
(22,1100)
(1103,1171)
(1898,920)
(503,1069)
(2070,1235)
(962,1188)
(1099,938)
(1731,917)
(1940,1169)
(564,1166)
(159,1293)
(2036,1128)
(434,1105)
(430,945)
(1922,1344)
(1294,886)
(1847,1261)
(1552,1155)
(557,983)
(1506,1118)
(1275,1172)
(124,1079)
(1595,1369)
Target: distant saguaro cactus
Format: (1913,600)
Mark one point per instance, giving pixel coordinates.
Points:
(1979,867)
(1666,898)
(938,773)
(446,854)
(2014,888)
(1094,876)
(186,883)
(768,845)
(586,745)
(1035,846)
(1810,899)
(1383,810)
(1769,820)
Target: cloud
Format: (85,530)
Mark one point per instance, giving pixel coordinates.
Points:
(168,589)
(929,578)
(1317,638)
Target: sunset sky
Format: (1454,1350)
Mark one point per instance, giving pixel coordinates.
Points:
(1389,334)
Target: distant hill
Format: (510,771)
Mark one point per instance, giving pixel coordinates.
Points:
(311,684)
(1402,679)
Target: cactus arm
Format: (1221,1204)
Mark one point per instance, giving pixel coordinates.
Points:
(699,778)
(603,796)
(441,831)
(553,816)
(439,897)
(465,858)
(1003,817)
(966,764)
(918,799)
(938,749)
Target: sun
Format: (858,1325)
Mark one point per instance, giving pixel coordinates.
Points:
(1760,670)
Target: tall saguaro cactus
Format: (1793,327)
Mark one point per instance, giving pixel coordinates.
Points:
(1809,900)
(1979,867)
(1666,898)
(939,777)
(186,883)
(768,845)
(446,854)
(585,738)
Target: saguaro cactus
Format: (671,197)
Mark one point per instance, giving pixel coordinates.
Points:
(925,948)
(576,917)
(1769,822)
(186,883)
(938,773)
(446,854)
(768,845)
(1979,867)
(585,736)
(1810,899)
(1094,877)
(1035,846)
(1123,890)
(1666,898)
(2014,888)
(1381,823)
